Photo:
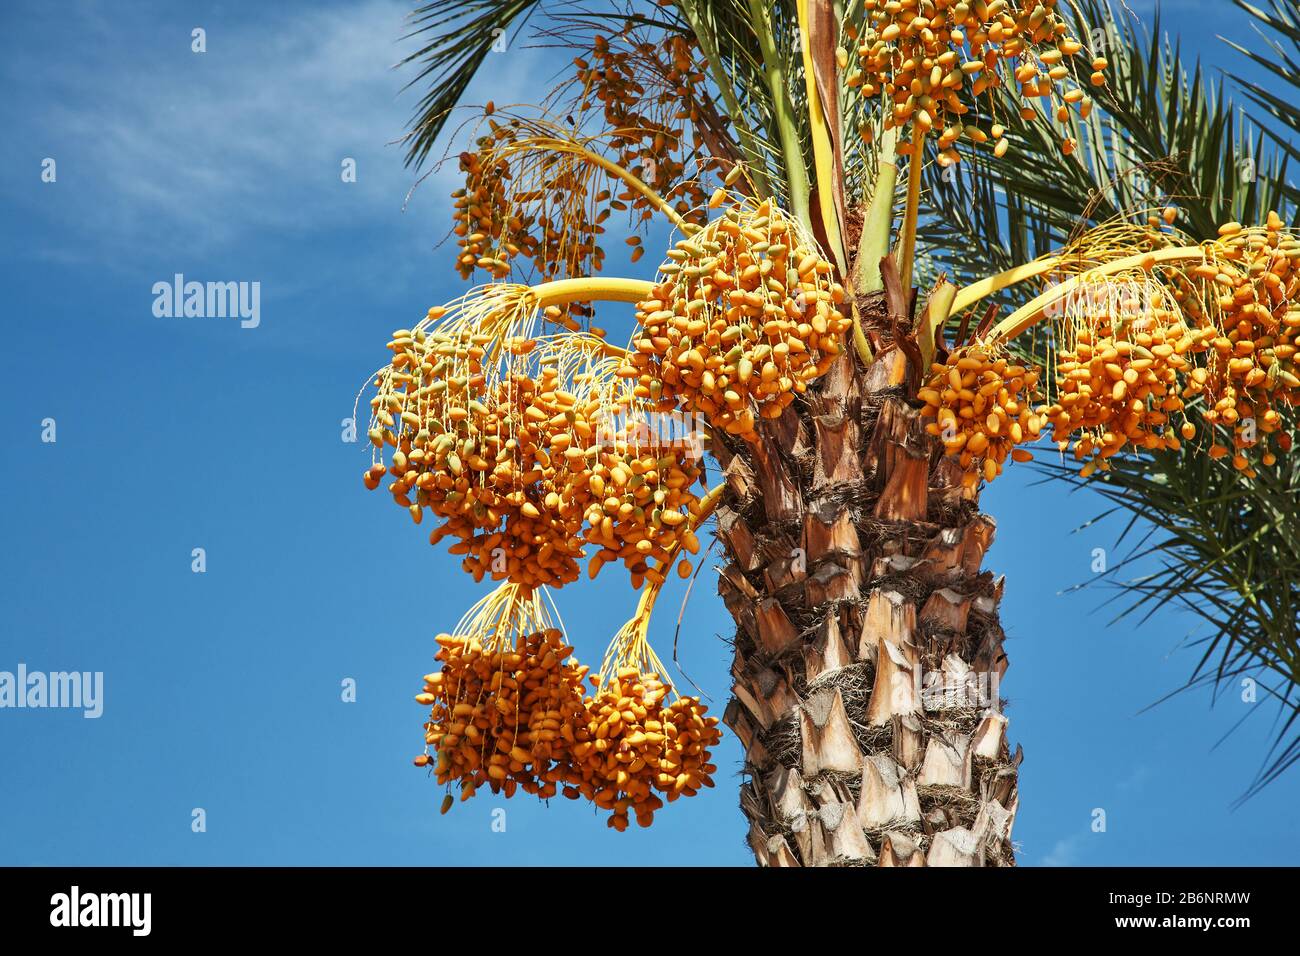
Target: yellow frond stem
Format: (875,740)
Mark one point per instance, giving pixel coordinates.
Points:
(1032,312)
(614,169)
(590,289)
(1003,280)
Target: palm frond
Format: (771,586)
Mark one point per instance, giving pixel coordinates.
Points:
(1224,550)
(1160,134)
(743,56)
(1279,31)
(1215,544)
(457,35)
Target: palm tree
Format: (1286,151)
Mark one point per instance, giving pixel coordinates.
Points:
(854,398)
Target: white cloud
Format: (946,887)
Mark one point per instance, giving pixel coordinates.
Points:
(167,146)
(1064,853)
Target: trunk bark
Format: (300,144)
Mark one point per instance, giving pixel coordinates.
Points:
(868,650)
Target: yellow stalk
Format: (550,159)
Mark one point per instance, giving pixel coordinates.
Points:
(1031,312)
(823,149)
(1003,280)
(908,238)
(614,169)
(630,644)
(590,289)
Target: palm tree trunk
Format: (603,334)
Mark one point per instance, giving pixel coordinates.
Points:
(868,650)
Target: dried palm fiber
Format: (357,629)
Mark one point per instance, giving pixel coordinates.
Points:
(745,315)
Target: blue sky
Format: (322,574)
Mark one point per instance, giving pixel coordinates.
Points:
(223,689)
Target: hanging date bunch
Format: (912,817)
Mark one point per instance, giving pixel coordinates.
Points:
(1209,334)
(489,231)
(1118,385)
(1158,343)
(508,710)
(531,204)
(650,94)
(487,430)
(745,316)
(930,61)
(502,700)
(1251,284)
(981,401)
(636,744)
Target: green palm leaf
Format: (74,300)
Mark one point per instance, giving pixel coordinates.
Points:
(1215,544)
(457,36)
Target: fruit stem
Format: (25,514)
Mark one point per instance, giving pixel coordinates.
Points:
(609,166)
(590,289)
(907,241)
(1032,312)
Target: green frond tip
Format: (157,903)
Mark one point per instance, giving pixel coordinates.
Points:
(459,35)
